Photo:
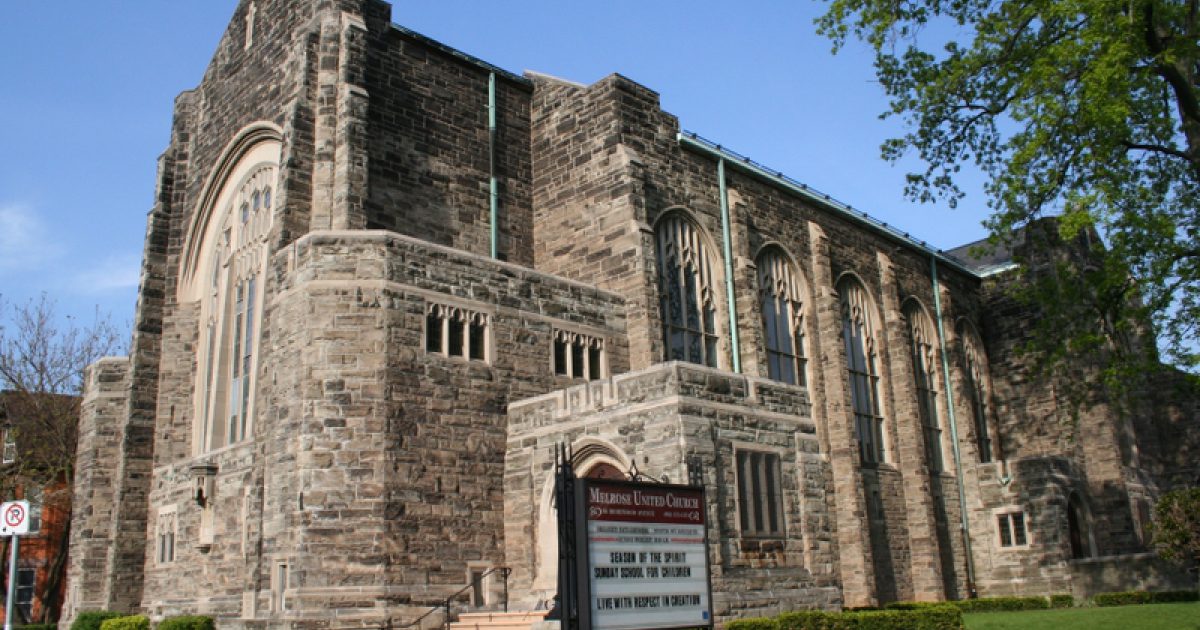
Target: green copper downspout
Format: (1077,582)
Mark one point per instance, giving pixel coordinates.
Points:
(958,471)
(493,192)
(728,250)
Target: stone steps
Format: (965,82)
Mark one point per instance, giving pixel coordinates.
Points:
(519,620)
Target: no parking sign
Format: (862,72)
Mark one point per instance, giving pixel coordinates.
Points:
(14,518)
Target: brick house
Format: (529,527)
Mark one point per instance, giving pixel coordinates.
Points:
(42,553)
(383,278)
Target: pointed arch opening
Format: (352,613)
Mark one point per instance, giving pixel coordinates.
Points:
(976,381)
(860,340)
(922,345)
(685,281)
(225,277)
(783,317)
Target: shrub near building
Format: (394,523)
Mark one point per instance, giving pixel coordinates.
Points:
(934,617)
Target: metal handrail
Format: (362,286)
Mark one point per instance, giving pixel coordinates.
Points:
(444,605)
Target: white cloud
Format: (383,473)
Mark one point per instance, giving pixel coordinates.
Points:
(116,272)
(25,243)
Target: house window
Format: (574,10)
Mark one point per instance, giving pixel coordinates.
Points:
(577,355)
(23,599)
(166,530)
(231,312)
(783,318)
(861,357)
(925,383)
(279,590)
(452,331)
(1011,526)
(686,296)
(10,446)
(976,377)
(36,498)
(760,501)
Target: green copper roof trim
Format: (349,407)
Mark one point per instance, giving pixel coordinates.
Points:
(493,188)
(697,143)
(727,249)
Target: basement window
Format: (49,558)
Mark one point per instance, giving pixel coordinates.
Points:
(760,501)
(578,356)
(166,530)
(10,446)
(452,331)
(1011,526)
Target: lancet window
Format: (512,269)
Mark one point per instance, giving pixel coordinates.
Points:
(456,332)
(577,355)
(686,294)
(976,382)
(783,318)
(925,382)
(858,335)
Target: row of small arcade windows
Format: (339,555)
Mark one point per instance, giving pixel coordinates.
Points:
(454,331)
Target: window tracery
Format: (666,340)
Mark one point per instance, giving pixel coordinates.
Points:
(783,319)
(925,382)
(858,335)
(686,295)
(231,312)
(976,382)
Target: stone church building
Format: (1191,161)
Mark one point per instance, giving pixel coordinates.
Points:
(383,279)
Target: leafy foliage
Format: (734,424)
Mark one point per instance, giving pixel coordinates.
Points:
(982,604)
(91,619)
(1130,598)
(932,617)
(187,622)
(131,622)
(1087,109)
(1176,528)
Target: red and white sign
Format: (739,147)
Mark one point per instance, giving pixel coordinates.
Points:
(647,557)
(14,518)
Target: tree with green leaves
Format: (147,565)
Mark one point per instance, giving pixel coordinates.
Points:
(1084,109)
(42,359)
(1176,529)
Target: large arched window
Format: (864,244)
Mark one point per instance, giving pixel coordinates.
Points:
(858,334)
(976,382)
(231,267)
(925,382)
(783,318)
(686,296)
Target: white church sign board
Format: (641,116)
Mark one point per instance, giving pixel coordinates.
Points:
(647,556)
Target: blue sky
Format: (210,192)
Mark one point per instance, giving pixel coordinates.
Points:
(88,90)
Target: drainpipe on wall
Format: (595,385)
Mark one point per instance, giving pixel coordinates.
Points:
(493,192)
(958,470)
(728,251)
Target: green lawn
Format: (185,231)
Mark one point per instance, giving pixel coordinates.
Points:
(1170,616)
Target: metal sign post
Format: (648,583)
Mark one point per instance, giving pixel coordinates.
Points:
(14,521)
(12,583)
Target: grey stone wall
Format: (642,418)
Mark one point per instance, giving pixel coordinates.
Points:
(101,415)
(656,418)
(380,474)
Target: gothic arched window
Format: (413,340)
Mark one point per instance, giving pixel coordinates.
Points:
(976,382)
(925,382)
(231,308)
(858,334)
(686,296)
(783,318)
